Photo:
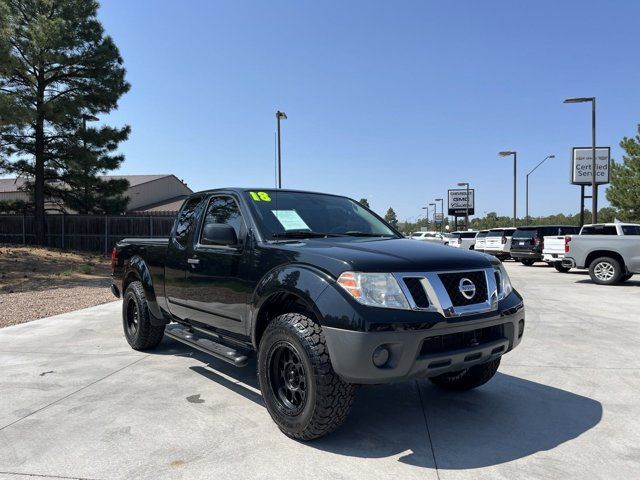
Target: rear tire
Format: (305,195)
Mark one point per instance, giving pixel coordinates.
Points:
(527,262)
(303,395)
(605,271)
(136,320)
(469,378)
(558,266)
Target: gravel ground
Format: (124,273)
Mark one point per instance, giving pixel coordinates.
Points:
(23,307)
(40,282)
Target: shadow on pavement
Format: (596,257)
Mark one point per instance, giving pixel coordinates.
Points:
(507,419)
(628,283)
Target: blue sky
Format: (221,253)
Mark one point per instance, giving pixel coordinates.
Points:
(394,101)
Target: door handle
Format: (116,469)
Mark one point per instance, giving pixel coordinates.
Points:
(193,261)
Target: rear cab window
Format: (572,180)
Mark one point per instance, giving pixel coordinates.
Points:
(185,221)
(630,229)
(599,230)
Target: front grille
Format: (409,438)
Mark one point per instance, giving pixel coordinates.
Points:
(451,282)
(417,292)
(461,340)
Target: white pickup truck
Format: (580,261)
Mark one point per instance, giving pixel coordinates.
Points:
(553,247)
(611,251)
(465,240)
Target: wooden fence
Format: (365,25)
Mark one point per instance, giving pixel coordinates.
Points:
(92,233)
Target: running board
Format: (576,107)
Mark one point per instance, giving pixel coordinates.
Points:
(230,355)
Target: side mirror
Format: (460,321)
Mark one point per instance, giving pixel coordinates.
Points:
(219,234)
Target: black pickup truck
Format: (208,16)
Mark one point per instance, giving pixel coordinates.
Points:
(324,293)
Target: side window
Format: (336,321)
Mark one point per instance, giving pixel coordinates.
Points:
(225,210)
(185,221)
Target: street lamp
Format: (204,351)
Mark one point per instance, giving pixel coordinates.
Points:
(526,215)
(280,116)
(515,169)
(466,214)
(434,215)
(594,185)
(427,209)
(441,211)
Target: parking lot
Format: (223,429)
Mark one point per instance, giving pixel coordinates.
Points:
(77,402)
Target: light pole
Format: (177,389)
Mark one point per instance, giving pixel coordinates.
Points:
(434,215)
(466,213)
(515,174)
(280,116)
(594,185)
(441,211)
(427,209)
(526,215)
(85,164)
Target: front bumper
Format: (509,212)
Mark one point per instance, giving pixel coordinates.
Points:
(423,353)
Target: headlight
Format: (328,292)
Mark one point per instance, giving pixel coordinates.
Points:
(374,289)
(503,281)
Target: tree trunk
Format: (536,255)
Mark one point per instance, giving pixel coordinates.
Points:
(38,196)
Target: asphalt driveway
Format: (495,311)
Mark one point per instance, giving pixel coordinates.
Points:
(77,402)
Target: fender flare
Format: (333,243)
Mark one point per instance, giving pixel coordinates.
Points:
(302,281)
(139,270)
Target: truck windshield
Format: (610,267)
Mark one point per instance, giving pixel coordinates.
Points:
(282,214)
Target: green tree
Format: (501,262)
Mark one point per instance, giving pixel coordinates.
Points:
(391,218)
(364,202)
(57,65)
(624,191)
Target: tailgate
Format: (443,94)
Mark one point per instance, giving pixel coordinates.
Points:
(554,245)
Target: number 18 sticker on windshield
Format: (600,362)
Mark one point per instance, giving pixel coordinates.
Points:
(260,196)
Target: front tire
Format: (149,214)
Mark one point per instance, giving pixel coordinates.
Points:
(136,320)
(469,378)
(303,395)
(558,266)
(605,271)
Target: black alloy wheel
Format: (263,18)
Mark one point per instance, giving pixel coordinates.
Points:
(287,377)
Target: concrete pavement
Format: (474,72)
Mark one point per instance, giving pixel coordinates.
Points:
(77,402)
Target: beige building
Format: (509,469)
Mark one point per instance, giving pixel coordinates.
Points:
(146,193)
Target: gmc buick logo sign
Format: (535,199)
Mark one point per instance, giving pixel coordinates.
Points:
(467,288)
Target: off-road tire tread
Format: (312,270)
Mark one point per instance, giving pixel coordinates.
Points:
(468,379)
(334,396)
(148,336)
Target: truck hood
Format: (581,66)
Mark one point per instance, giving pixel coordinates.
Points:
(337,255)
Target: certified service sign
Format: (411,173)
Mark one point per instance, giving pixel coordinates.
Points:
(581,165)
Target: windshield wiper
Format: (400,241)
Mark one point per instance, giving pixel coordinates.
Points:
(304,234)
(368,234)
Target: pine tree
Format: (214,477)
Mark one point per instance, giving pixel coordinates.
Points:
(57,66)
(624,191)
(364,202)
(391,218)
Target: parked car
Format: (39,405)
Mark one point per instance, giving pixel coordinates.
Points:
(498,242)
(430,237)
(480,240)
(323,292)
(611,251)
(553,247)
(528,242)
(465,240)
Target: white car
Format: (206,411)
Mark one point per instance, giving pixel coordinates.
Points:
(430,237)
(466,240)
(553,247)
(480,240)
(498,242)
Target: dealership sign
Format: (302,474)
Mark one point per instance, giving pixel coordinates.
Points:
(438,218)
(581,165)
(458,201)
